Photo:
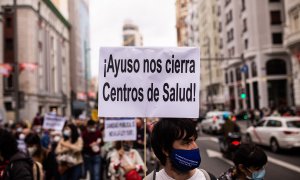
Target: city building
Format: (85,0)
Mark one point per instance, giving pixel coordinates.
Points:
(181,27)
(62,6)
(212,76)
(292,42)
(256,63)
(79,55)
(42,43)
(131,34)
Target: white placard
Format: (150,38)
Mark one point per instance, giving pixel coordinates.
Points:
(149,82)
(119,130)
(52,121)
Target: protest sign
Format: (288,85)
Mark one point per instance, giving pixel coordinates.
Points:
(119,130)
(52,121)
(149,82)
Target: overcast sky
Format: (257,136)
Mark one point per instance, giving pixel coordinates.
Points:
(156,20)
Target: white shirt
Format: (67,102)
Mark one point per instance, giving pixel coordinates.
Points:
(162,175)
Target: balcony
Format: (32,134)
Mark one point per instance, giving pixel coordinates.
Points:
(292,39)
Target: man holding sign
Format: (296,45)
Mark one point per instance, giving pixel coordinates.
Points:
(156,82)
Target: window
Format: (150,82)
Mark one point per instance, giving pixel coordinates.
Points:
(274,123)
(230,36)
(232,51)
(8,22)
(245,25)
(220,27)
(293,124)
(227,2)
(221,43)
(261,123)
(9,44)
(295,21)
(275,18)
(277,38)
(226,78)
(231,76)
(276,67)
(253,69)
(246,43)
(229,17)
(243,5)
(219,11)
(274,0)
(238,74)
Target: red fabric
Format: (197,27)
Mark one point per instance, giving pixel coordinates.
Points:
(88,138)
(133,175)
(2,169)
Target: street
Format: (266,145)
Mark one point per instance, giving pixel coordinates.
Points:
(285,164)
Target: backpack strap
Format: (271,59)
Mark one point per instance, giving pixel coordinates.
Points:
(36,171)
(151,176)
(207,176)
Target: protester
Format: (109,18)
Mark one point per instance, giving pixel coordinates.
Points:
(69,155)
(174,144)
(249,163)
(92,139)
(229,126)
(19,165)
(40,155)
(126,162)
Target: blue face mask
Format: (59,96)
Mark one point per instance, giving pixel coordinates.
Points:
(185,160)
(258,175)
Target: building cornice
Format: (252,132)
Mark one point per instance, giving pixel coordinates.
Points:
(57,13)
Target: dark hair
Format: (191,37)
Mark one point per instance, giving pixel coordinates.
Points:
(8,144)
(249,155)
(168,130)
(74,133)
(91,123)
(118,145)
(33,139)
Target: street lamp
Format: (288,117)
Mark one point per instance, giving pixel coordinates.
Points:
(86,51)
(16,66)
(210,72)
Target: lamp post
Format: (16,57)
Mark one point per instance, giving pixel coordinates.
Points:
(210,72)
(86,50)
(16,66)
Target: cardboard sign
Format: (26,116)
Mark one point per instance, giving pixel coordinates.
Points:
(52,121)
(149,82)
(119,130)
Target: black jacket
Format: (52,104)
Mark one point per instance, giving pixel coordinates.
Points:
(19,168)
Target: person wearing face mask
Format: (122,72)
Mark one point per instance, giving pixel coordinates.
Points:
(18,165)
(92,139)
(173,141)
(249,161)
(126,162)
(69,155)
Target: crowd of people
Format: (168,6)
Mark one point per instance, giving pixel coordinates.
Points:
(254,115)
(32,152)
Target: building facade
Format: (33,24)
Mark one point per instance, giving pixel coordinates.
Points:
(181,26)
(43,58)
(292,42)
(79,52)
(256,62)
(131,34)
(212,87)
